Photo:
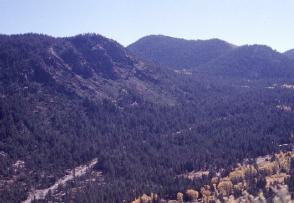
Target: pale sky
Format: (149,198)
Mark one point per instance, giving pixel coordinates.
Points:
(269,22)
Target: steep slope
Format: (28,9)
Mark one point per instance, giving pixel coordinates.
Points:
(62,102)
(85,113)
(290,53)
(255,61)
(89,65)
(178,53)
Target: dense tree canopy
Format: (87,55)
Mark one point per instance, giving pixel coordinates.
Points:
(65,101)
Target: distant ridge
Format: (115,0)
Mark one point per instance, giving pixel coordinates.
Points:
(175,53)
(251,61)
(290,53)
(215,57)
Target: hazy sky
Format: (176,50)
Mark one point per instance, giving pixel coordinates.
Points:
(240,22)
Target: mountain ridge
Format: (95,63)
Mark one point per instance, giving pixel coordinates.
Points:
(85,60)
(176,52)
(290,53)
(251,61)
(67,101)
(215,57)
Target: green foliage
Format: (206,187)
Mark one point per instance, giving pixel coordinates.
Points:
(176,53)
(51,118)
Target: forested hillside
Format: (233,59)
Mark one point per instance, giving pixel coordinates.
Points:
(87,102)
(174,53)
(266,179)
(215,57)
(290,53)
(254,61)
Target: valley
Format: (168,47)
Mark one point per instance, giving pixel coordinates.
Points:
(84,119)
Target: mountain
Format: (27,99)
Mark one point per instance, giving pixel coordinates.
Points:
(290,53)
(86,65)
(215,57)
(254,61)
(63,100)
(177,53)
(82,119)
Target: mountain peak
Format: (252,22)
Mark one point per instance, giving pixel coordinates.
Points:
(176,53)
(88,65)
